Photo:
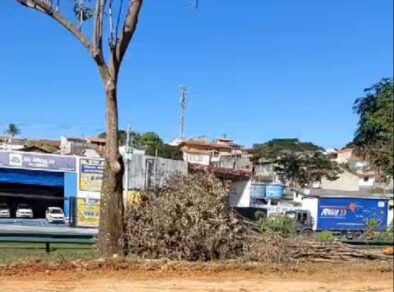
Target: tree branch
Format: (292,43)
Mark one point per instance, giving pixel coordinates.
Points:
(129,28)
(47,9)
(98,26)
(96,54)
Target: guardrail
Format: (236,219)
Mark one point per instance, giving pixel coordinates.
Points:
(48,236)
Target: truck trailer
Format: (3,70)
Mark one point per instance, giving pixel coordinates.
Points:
(347,216)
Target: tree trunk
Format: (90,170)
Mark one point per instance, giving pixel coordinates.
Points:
(112,223)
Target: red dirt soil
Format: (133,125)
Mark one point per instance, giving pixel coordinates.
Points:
(307,277)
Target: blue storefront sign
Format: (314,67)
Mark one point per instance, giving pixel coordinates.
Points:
(37,161)
(351,213)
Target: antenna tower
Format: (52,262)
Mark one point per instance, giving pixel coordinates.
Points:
(182,104)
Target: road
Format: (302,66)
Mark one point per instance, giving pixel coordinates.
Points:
(32,226)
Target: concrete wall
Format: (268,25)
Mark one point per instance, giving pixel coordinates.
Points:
(239,194)
(233,163)
(366,183)
(346,182)
(344,155)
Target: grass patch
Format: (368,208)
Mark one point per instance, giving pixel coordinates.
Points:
(324,236)
(15,252)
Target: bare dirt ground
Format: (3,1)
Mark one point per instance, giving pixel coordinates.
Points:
(312,277)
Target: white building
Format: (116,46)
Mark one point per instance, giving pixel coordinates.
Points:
(202,152)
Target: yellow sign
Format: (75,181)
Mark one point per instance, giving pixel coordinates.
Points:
(88,212)
(91,175)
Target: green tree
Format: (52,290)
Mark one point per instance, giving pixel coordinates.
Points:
(303,169)
(12,130)
(290,168)
(122,137)
(170,152)
(151,141)
(270,150)
(374,135)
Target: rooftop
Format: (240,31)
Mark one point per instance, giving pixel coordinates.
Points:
(362,193)
(96,139)
(345,150)
(202,143)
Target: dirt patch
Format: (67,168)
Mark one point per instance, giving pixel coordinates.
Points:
(229,281)
(218,276)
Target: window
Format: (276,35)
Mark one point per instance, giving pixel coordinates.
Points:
(195,158)
(366,178)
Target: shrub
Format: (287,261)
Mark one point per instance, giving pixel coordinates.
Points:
(281,224)
(325,236)
(386,236)
(370,227)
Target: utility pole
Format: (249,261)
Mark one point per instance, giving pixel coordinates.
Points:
(182,104)
(128,152)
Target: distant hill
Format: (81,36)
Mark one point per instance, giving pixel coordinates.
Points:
(271,149)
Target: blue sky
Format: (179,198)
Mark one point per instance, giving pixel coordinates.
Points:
(255,70)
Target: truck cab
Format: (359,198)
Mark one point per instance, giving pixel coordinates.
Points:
(303,221)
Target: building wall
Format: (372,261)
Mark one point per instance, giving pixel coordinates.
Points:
(346,182)
(358,165)
(239,194)
(204,153)
(311,204)
(11,147)
(366,181)
(344,155)
(199,158)
(207,147)
(264,170)
(234,163)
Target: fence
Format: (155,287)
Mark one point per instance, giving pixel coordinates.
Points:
(148,171)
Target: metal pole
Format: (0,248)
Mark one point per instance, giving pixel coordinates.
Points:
(156,162)
(126,172)
(182,103)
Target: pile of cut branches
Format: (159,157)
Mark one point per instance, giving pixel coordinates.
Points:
(331,251)
(188,219)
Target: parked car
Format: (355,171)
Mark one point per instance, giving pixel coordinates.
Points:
(55,215)
(4,211)
(24,211)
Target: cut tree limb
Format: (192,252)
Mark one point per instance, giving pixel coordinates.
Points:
(129,28)
(47,9)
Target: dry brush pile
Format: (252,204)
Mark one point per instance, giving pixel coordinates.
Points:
(190,219)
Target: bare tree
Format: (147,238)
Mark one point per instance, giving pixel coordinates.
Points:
(119,36)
